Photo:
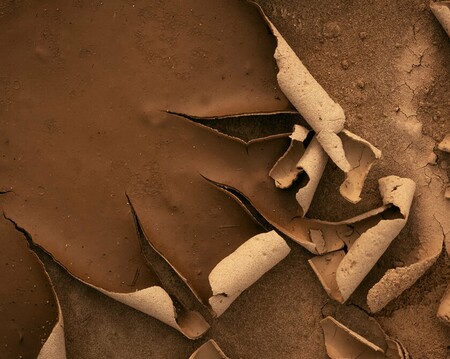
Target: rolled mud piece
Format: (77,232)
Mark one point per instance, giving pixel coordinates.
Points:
(32,323)
(366,237)
(285,171)
(342,342)
(209,350)
(309,162)
(441,9)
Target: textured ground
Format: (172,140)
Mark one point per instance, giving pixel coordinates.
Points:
(387,63)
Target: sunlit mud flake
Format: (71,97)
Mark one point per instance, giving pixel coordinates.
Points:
(341,342)
(30,316)
(441,9)
(370,234)
(209,350)
(349,152)
(285,171)
(298,161)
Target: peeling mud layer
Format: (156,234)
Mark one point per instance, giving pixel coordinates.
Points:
(90,158)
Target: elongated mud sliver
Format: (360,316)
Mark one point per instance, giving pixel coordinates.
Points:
(32,324)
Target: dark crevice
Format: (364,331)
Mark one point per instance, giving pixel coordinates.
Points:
(248,127)
(361,308)
(34,247)
(244,202)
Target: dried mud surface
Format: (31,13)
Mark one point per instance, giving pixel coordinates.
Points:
(387,63)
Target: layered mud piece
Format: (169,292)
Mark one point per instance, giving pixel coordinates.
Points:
(83,90)
(209,350)
(31,321)
(343,342)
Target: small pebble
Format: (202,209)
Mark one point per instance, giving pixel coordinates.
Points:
(361,84)
(363,35)
(331,30)
(344,64)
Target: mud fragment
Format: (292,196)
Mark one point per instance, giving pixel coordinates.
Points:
(371,234)
(342,342)
(235,273)
(209,350)
(285,171)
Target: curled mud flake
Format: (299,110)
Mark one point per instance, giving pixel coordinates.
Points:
(313,163)
(375,230)
(395,281)
(325,269)
(354,156)
(441,9)
(297,161)
(209,350)
(342,342)
(238,271)
(285,171)
(32,323)
(156,302)
(444,145)
(361,156)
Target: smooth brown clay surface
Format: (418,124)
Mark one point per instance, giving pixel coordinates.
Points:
(81,116)
(28,306)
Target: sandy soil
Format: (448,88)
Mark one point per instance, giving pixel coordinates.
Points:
(385,62)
